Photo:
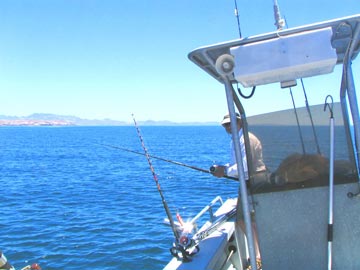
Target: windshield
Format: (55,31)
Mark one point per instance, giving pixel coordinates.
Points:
(300,154)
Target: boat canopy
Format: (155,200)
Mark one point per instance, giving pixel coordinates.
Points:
(285,56)
(341,34)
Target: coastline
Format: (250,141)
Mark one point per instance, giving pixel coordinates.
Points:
(23,122)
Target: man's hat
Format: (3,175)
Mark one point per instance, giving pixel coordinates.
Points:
(226,119)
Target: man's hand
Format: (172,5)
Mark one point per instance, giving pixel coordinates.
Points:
(218,170)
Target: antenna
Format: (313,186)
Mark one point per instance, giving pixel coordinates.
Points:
(279,22)
(237,18)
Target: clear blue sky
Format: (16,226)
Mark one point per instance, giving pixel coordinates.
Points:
(110,58)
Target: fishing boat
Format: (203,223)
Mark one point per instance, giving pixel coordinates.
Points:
(306,208)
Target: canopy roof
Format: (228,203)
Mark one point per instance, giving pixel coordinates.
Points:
(344,30)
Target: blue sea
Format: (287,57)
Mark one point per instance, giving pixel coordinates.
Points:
(69,202)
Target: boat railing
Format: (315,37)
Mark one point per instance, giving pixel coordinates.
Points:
(208,208)
(192,224)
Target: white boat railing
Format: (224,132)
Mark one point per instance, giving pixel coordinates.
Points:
(181,226)
(208,208)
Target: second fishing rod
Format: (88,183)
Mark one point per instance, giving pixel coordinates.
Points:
(210,171)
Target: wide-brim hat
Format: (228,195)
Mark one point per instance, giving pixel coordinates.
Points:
(227,119)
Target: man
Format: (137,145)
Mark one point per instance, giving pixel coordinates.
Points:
(257,162)
(231,169)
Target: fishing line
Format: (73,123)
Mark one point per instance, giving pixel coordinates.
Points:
(167,160)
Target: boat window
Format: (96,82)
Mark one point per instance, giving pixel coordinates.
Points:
(298,156)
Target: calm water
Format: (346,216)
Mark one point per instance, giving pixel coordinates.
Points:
(70,203)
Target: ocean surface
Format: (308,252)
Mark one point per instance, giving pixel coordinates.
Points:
(69,202)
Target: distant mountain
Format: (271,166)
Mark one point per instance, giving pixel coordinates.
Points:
(46,119)
(285,117)
(54,119)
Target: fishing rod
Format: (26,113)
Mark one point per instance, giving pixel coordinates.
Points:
(178,246)
(212,168)
(298,124)
(167,210)
(311,119)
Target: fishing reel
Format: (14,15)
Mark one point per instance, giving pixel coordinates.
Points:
(186,241)
(184,248)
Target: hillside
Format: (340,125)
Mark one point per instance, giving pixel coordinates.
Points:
(288,117)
